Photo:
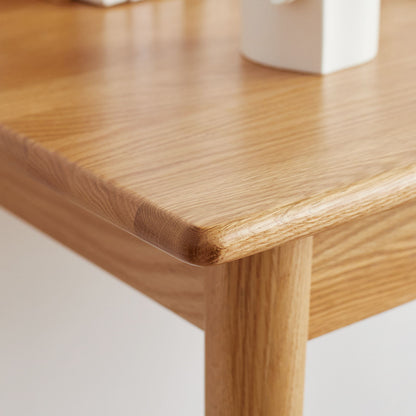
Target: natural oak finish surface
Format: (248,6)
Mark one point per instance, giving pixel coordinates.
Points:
(359,269)
(363,268)
(148,116)
(256,332)
(172,283)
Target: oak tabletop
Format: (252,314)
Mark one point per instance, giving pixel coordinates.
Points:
(147,115)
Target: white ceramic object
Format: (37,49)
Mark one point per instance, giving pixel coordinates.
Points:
(318,36)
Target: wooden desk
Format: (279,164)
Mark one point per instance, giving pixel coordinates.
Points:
(296,193)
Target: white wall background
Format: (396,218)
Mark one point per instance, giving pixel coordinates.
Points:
(76,341)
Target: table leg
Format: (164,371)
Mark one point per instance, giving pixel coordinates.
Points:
(257,312)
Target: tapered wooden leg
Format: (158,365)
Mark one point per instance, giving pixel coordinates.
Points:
(257,312)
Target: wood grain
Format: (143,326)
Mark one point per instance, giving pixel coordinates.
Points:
(256,332)
(363,268)
(359,269)
(176,285)
(148,116)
